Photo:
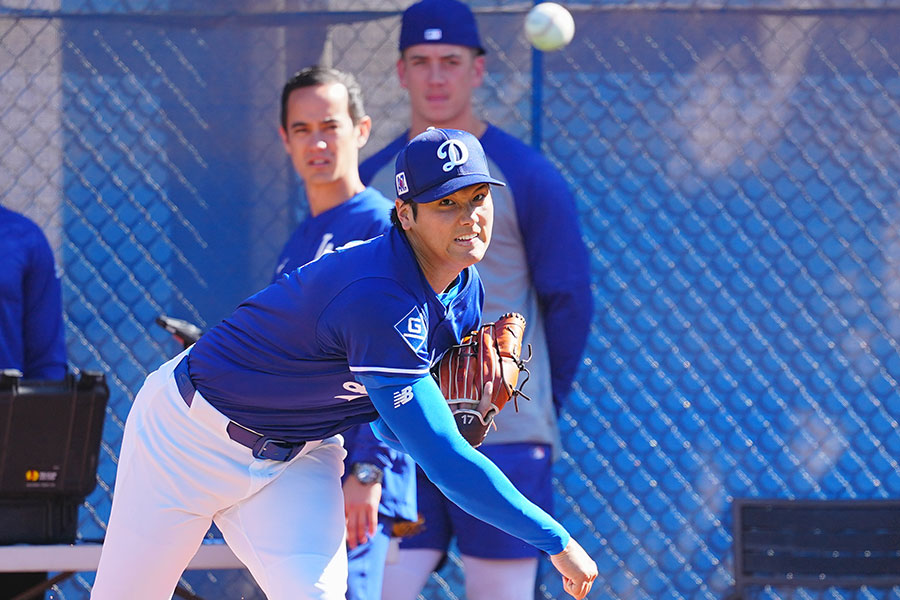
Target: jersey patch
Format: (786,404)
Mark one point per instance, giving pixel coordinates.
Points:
(414,329)
(402,188)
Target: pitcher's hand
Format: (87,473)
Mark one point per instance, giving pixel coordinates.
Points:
(578,570)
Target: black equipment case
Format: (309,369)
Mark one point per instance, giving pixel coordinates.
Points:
(49,446)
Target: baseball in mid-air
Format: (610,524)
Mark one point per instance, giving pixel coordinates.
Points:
(549,26)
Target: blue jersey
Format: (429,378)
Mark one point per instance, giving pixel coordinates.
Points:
(548,283)
(286,363)
(362,217)
(294,362)
(32,337)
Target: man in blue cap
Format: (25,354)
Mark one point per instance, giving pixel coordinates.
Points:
(441,64)
(242,429)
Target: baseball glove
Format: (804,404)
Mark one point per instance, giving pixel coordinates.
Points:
(479,376)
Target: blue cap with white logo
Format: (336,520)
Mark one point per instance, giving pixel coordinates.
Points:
(439,22)
(439,162)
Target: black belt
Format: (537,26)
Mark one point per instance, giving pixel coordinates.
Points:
(262,446)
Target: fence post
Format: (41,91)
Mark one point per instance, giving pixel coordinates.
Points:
(537,85)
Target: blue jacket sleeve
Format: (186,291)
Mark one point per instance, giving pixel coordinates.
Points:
(44,331)
(560,273)
(363,447)
(398,486)
(420,421)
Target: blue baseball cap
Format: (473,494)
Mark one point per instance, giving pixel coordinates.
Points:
(439,162)
(439,22)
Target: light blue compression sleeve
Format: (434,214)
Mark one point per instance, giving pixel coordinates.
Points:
(415,418)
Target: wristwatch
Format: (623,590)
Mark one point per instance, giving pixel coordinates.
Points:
(367,473)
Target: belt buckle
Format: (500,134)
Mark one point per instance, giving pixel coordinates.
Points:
(274,449)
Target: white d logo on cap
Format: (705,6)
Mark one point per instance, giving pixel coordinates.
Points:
(455,152)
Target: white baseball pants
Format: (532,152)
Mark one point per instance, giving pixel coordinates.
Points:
(179,471)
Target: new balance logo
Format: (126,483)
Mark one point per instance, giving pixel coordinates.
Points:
(403,396)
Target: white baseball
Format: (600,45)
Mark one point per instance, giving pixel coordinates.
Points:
(549,26)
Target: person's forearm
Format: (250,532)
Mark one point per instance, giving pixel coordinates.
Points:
(428,431)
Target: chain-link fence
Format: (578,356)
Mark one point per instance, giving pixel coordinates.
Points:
(737,171)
